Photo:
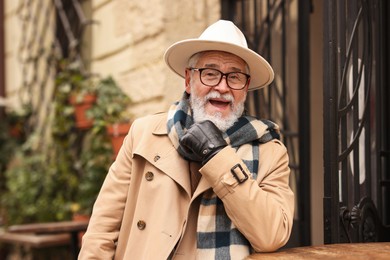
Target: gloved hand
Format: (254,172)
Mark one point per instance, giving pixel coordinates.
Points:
(203,139)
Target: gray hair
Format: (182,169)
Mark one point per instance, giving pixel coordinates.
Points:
(194,59)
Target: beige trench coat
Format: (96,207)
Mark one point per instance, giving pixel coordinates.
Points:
(145,208)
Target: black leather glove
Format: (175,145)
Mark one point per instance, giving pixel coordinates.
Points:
(203,139)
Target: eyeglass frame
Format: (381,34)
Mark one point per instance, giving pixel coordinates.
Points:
(222,75)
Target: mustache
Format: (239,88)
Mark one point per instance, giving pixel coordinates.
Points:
(216,94)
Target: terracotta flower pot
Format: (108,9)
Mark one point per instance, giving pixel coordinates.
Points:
(15,131)
(81,107)
(117,133)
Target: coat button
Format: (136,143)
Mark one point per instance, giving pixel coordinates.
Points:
(141,225)
(156,158)
(149,176)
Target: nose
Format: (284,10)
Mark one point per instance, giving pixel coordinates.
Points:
(222,87)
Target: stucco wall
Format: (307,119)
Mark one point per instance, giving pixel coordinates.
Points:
(129,40)
(13,34)
(126,40)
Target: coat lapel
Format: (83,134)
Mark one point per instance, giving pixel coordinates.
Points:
(165,157)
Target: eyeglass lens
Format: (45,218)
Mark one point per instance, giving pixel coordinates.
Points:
(212,77)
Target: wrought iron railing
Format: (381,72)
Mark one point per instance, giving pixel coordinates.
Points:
(352,118)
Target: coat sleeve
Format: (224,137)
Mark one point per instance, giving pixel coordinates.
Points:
(99,241)
(261,209)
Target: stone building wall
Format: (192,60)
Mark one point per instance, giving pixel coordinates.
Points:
(130,38)
(127,41)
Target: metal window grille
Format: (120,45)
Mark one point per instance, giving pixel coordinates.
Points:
(352,120)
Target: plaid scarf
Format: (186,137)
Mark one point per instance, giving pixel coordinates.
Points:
(217,236)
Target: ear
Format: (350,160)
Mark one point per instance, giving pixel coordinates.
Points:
(187,81)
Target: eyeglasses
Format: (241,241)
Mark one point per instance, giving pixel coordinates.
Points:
(212,77)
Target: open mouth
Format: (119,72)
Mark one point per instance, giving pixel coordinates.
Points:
(219,103)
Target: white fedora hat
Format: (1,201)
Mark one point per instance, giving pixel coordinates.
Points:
(221,36)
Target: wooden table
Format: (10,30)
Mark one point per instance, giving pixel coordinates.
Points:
(71,227)
(380,250)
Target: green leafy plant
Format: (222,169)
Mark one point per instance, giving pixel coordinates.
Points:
(95,161)
(42,180)
(71,79)
(51,182)
(39,186)
(12,136)
(111,105)
(110,108)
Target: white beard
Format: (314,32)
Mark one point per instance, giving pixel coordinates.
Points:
(223,123)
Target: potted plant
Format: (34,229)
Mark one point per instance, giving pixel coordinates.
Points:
(16,122)
(81,106)
(111,113)
(82,92)
(42,175)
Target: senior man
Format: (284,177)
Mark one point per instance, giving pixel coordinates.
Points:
(203,180)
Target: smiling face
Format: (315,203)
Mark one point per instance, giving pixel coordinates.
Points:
(220,104)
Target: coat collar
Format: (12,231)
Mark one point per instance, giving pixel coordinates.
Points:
(161,126)
(165,157)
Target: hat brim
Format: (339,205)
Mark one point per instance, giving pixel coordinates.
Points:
(178,54)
